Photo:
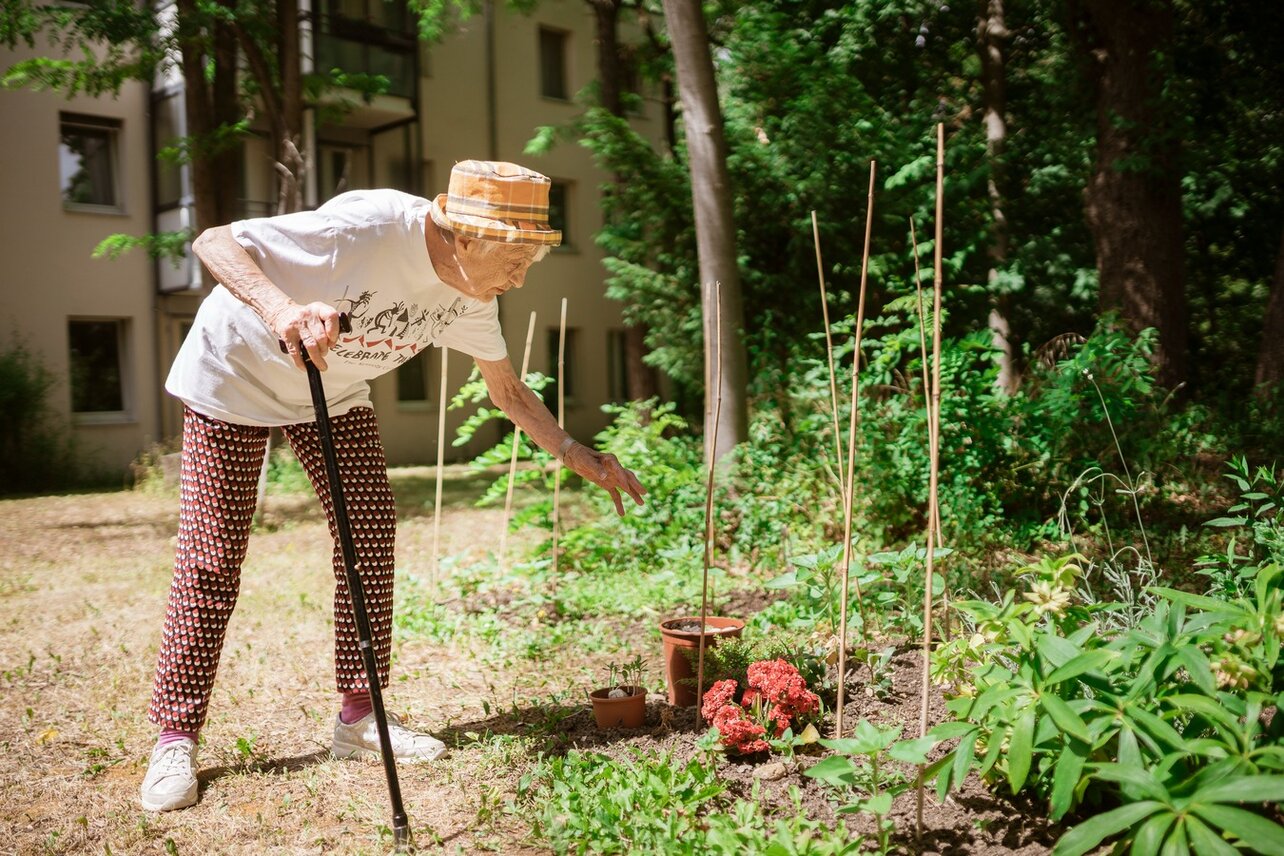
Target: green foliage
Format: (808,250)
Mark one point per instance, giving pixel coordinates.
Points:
(1167,715)
(285,474)
(100,46)
(1253,523)
(661,534)
(37,450)
(648,803)
(161,245)
(861,770)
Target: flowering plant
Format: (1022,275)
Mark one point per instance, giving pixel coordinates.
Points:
(776,696)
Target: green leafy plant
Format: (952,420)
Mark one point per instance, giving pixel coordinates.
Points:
(1253,523)
(1168,713)
(627,676)
(861,770)
(1199,819)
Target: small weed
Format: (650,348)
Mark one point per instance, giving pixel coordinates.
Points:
(245,748)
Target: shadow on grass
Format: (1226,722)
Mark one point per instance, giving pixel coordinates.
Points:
(292,764)
(562,727)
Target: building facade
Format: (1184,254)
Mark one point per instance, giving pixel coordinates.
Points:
(76,171)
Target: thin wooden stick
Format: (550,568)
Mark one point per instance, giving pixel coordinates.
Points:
(512,464)
(934,459)
(829,353)
(561,423)
(922,346)
(708,498)
(441,469)
(849,500)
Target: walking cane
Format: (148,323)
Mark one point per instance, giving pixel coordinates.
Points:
(400,824)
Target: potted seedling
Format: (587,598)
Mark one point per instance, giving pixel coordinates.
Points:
(682,645)
(622,702)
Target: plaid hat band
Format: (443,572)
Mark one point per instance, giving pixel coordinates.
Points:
(496,201)
(497,210)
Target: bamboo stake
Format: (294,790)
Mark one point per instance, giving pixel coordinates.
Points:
(561,423)
(922,345)
(441,469)
(716,379)
(512,464)
(829,353)
(850,484)
(934,458)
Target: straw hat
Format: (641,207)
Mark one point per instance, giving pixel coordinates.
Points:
(496,201)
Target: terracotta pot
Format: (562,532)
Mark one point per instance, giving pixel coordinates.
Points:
(624,712)
(681,644)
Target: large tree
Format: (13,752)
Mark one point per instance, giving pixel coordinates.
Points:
(1134,198)
(715,228)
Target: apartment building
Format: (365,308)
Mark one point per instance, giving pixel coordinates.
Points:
(75,171)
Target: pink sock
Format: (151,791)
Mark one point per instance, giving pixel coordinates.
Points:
(355,706)
(173,735)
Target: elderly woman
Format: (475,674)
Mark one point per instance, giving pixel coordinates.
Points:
(361,284)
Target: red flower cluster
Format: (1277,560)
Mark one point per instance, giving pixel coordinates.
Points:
(780,686)
(738,731)
(780,694)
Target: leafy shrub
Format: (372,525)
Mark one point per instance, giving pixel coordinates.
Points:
(1167,715)
(37,450)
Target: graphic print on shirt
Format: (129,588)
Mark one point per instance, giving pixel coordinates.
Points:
(392,332)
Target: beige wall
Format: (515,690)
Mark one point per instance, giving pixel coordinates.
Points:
(48,275)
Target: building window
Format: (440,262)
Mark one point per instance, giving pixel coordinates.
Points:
(96,350)
(559,211)
(167,133)
(617,369)
(87,162)
(415,386)
(568,366)
(552,64)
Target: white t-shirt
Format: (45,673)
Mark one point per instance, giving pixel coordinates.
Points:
(363,252)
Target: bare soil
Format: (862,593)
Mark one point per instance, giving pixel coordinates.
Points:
(83,582)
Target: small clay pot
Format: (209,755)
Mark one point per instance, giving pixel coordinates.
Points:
(682,640)
(623,712)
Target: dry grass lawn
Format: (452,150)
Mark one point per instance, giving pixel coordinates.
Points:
(83,581)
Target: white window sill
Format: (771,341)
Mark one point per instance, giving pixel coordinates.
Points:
(109,210)
(117,418)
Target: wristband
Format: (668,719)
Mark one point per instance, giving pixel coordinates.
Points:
(565,447)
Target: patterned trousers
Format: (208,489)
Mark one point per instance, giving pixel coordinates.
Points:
(220,472)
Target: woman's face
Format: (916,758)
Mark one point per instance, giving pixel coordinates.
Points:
(490,271)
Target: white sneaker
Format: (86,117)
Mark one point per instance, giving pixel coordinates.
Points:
(170,782)
(361,739)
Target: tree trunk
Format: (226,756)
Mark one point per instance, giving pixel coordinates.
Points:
(1133,200)
(715,228)
(992,35)
(1270,356)
(291,163)
(209,105)
(640,377)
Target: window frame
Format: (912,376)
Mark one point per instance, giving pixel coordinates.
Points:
(114,127)
(563,38)
(123,363)
(565,189)
(430,359)
(617,371)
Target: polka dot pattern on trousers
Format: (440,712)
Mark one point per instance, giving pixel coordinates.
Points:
(220,471)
